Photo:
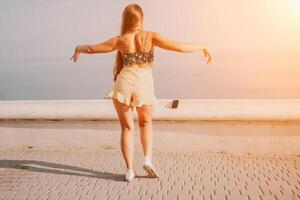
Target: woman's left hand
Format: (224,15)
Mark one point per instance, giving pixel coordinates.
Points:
(75,55)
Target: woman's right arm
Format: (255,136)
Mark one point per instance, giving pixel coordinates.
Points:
(168,44)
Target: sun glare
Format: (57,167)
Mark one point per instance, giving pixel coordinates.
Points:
(294,5)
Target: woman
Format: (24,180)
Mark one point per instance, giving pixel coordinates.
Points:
(134,85)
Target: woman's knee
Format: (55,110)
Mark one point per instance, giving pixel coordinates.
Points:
(127,129)
(144,123)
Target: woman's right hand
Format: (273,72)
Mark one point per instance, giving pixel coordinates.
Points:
(207,55)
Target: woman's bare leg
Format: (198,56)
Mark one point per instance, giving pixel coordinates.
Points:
(146,128)
(127,130)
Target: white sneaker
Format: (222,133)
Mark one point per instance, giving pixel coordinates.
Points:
(129,175)
(149,168)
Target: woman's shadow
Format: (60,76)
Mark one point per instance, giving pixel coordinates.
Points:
(60,169)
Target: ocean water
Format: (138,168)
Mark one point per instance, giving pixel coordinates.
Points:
(255,45)
(229,77)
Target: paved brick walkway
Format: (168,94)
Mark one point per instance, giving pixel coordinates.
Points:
(81,174)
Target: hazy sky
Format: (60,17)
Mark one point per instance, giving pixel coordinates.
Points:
(240,34)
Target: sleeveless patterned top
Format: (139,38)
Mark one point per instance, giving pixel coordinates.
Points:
(139,57)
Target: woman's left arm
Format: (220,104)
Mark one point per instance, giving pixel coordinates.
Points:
(103,47)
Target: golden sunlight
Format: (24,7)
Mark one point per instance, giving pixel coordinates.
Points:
(294,6)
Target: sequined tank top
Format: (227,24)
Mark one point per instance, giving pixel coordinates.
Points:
(139,57)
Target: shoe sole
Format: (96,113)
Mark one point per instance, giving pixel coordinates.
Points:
(128,180)
(151,171)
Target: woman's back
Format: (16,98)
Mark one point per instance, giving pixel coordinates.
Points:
(136,41)
(137,48)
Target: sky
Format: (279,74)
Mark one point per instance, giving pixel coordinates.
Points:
(255,46)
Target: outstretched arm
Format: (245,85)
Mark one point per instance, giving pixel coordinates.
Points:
(169,44)
(103,47)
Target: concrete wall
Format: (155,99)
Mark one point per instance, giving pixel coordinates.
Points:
(188,109)
(234,126)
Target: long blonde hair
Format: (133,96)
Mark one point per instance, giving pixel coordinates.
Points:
(132,17)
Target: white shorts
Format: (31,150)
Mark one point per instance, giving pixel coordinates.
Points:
(134,86)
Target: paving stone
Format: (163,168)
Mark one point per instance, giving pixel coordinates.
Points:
(78,175)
